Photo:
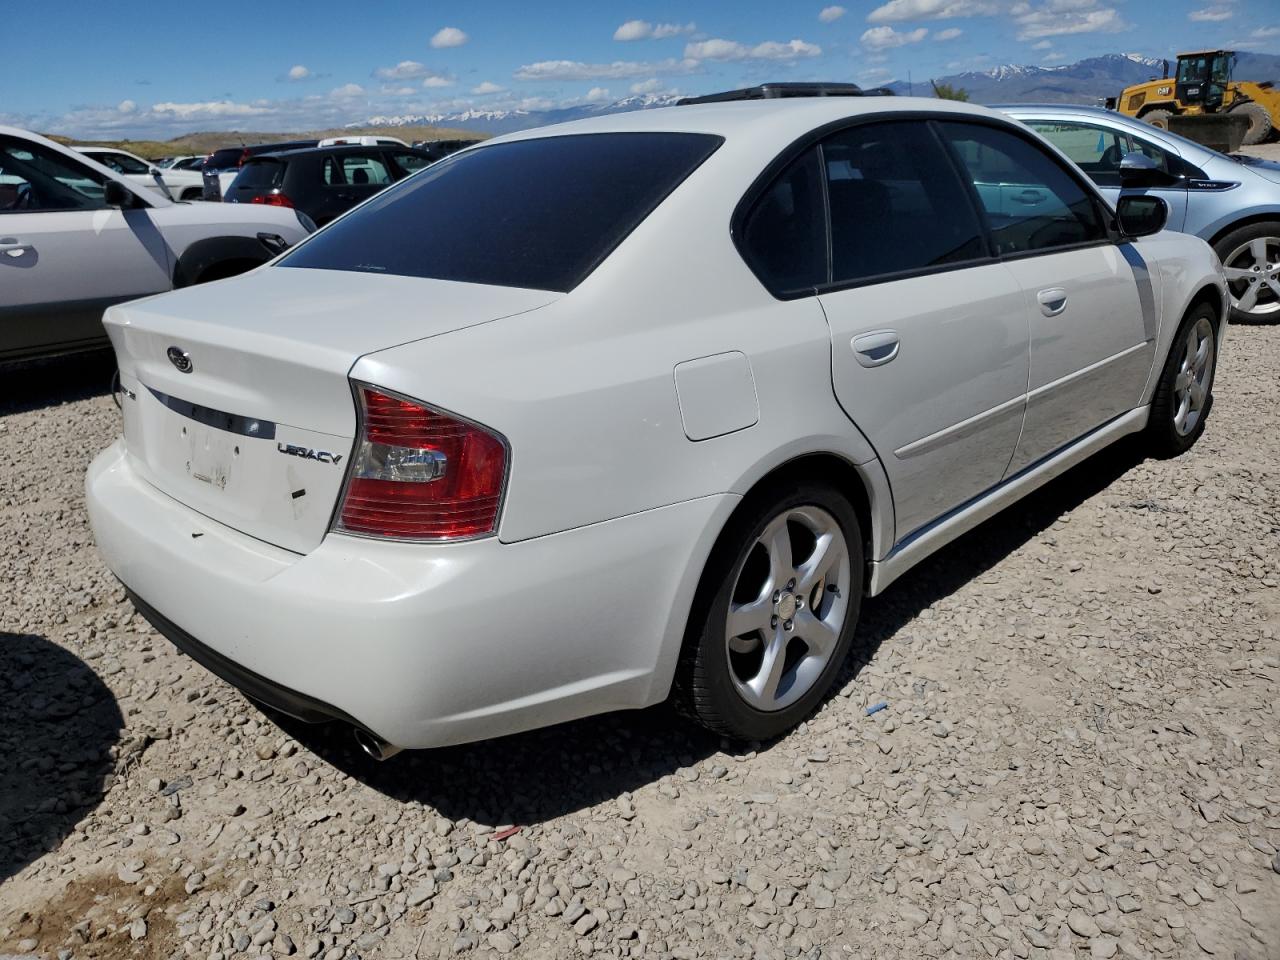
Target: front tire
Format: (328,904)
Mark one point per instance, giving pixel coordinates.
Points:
(1157,118)
(1184,393)
(1259,122)
(775,613)
(1251,260)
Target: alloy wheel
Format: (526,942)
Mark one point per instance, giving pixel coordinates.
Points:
(1195,373)
(788,609)
(1253,275)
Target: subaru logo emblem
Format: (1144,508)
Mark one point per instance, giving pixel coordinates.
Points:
(180,359)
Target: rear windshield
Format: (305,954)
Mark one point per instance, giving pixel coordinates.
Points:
(261,175)
(540,214)
(226,157)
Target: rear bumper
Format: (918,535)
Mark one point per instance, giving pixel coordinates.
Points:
(421,645)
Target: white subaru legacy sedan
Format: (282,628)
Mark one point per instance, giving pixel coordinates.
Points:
(634,407)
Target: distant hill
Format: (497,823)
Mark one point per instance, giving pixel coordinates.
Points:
(505,121)
(1086,81)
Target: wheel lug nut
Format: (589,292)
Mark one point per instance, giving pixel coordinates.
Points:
(773,621)
(791,584)
(777,595)
(788,625)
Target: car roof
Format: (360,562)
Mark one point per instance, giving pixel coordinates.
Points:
(782,118)
(345,148)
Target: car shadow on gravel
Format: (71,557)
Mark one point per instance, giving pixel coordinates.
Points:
(538,776)
(58,725)
(47,383)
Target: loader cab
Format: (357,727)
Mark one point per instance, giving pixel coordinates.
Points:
(1203,77)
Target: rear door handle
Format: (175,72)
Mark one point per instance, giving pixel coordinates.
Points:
(1029,196)
(1052,301)
(14,247)
(874,349)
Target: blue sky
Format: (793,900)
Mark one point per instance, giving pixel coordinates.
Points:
(291,66)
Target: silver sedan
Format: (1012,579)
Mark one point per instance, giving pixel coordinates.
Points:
(1233,201)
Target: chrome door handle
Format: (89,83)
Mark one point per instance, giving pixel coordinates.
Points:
(874,349)
(1052,301)
(13,246)
(1029,196)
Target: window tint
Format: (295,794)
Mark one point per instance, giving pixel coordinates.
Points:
(539,213)
(410,162)
(896,202)
(35,178)
(784,237)
(1095,150)
(261,174)
(1030,200)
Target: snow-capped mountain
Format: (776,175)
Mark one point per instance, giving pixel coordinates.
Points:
(505,121)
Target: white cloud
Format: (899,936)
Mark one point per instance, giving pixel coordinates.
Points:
(1054,57)
(618,70)
(208,109)
(1057,18)
(719,49)
(436,81)
(346,91)
(652,85)
(897,10)
(949,34)
(1043,45)
(1262,33)
(831,14)
(1211,14)
(127,106)
(486,88)
(597,95)
(448,37)
(644,30)
(404,70)
(885,38)
(298,72)
(391,90)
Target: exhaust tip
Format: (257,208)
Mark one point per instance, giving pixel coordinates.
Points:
(374,746)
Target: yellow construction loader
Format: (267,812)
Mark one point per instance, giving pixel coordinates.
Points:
(1204,85)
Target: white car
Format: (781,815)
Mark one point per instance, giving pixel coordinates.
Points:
(170,184)
(643,403)
(363,142)
(76,237)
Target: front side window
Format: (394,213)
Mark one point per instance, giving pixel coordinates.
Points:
(784,237)
(540,213)
(897,204)
(34,178)
(1032,204)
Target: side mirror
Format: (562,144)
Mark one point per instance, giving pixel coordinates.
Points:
(1141,216)
(1139,170)
(115,194)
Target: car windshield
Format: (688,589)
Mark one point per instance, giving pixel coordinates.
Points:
(539,213)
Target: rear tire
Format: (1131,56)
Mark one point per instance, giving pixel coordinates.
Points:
(1184,393)
(195,193)
(1259,122)
(1157,118)
(789,566)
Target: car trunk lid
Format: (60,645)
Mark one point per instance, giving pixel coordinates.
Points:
(237,401)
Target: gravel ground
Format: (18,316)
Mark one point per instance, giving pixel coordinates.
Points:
(1080,756)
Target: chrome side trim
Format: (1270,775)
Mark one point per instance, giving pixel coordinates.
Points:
(218,419)
(957,431)
(1084,371)
(942,531)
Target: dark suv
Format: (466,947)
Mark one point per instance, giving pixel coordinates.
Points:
(323,182)
(229,160)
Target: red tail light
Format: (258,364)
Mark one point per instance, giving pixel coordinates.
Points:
(244,157)
(273,200)
(420,474)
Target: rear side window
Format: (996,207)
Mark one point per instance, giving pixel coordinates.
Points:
(539,213)
(410,162)
(1031,202)
(784,237)
(364,169)
(897,203)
